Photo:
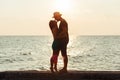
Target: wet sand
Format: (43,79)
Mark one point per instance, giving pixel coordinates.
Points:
(71,75)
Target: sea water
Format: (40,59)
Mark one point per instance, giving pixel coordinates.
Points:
(85,53)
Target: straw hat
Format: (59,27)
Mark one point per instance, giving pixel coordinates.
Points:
(55,14)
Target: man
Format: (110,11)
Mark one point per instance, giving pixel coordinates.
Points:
(63,38)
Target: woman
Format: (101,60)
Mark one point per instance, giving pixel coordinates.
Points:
(54,58)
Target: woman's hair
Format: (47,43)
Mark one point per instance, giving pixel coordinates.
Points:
(52,23)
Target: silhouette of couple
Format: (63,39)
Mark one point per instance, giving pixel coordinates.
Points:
(61,39)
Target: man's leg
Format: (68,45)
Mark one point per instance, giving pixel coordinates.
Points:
(65,58)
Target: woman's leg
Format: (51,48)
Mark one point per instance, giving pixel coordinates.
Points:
(55,58)
(51,64)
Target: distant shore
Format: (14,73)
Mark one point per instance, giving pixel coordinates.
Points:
(71,75)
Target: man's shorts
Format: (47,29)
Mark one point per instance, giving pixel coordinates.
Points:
(60,45)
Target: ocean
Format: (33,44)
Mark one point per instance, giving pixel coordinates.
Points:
(85,53)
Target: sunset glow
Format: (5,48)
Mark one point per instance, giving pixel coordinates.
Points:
(63,5)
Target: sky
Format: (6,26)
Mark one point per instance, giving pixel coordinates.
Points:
(84,17)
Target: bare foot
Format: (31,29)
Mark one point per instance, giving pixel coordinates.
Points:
(63,70)
(51,69)
(55,68)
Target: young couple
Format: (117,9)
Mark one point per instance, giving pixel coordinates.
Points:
(61,39)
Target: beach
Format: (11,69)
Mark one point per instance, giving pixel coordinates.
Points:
(90,58)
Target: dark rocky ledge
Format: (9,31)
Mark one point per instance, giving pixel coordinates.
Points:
(71,75)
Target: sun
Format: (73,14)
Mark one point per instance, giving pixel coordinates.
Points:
(63,5)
